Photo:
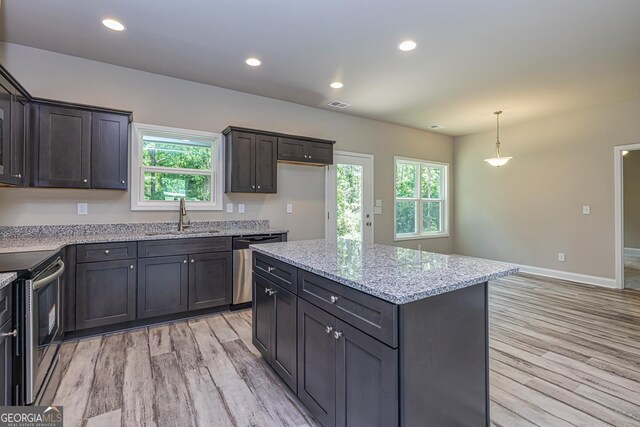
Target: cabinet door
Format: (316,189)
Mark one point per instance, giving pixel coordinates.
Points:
(284,335)
(5,133)
(266,164)
(319,152)
(241,162)
(105,293)
(19,114)
(263,308)
(109,151)
(64,152)
(6,364)
(209,280)
(317,362)
(291,150)
(162,285)
(366,380)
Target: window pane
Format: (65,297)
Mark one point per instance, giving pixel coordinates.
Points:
(174,153)
(431,217)
(349,200)
(431,182)
(406,213)
(171,186)
(405,180)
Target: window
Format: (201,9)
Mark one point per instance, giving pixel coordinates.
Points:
(421,209)
(168,164)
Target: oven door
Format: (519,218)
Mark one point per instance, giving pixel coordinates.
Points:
(43,329)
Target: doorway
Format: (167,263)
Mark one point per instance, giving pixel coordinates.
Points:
(627,207)
(349,197)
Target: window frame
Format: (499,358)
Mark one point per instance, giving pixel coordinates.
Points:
(137,170)
(444,200)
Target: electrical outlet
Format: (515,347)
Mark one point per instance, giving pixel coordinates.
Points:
(586,210)
(229,207)
(377,210)
(240,207)
(419,246)
(83,209)
(289,208)
(561,256)
(379,203)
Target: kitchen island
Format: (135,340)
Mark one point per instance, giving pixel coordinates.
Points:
(376,335)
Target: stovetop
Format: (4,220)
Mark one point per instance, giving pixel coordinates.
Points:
(26,263)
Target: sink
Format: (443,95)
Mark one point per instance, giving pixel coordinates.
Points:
(179,233)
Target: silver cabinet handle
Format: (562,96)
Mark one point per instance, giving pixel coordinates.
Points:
(106,251)
(329,329)
(122,182)
(193,261)
(337,335)
(267,290)
(131,267)
(85,180)
(9,334)
(17,176)
(270,269)
(333,299)
(270,291)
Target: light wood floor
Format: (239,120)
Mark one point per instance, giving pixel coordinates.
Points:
(561,354)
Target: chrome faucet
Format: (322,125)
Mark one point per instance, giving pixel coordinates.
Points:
(183,221)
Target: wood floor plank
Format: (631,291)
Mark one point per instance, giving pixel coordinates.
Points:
(239,325)
(75,386)
(66,353)
(502,417)
(138,387)
(209,406)
(221,328)
(185,346)
(159,340)
(106,390)
(172,404)
(108,419)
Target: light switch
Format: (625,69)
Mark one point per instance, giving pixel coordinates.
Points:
(83,209)
(561,256)
(586,210)
(377,210)
(289,208)
(229,207)
(378,203)
(240,207)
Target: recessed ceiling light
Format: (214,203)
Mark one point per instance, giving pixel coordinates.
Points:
(336,85)
(407,45)
(112,24)
(254,62)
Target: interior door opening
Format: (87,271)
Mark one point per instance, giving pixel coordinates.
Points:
(627,224)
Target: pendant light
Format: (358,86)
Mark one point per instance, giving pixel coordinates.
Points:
(497,160)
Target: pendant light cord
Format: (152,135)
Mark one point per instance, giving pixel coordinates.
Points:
(497,113)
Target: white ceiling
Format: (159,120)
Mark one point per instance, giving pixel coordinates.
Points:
(530,58)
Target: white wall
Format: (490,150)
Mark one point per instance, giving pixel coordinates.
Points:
(531,209)
(166,101)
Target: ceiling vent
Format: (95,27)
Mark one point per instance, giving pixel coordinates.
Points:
(339,104)
(436,127)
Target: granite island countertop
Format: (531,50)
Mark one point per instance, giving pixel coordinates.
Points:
(6,278)
(394,274)
(53,237)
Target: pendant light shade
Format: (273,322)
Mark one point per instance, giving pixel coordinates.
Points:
(498,160)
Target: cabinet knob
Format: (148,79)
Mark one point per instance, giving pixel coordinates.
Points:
(184,261)
(85,180)
(131,267)
(17,176)
(192,261)
(337,335)
(122,182)
(258,187)
(305,156)
(328,329)
(309,155)
(106,251)
(9,334)
(253,186)
(333,299)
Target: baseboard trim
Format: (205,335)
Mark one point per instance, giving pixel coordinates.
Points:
(634,252)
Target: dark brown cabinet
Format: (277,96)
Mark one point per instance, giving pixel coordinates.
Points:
(105,293)
(80,148)
(274,328)
(13,132)
(6,363)
(162,285)
(302,151)
(250,162)
(209,280)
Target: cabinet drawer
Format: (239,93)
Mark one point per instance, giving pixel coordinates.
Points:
(371,315)
(6,303)
(153,248)
(278,272)
(106,252)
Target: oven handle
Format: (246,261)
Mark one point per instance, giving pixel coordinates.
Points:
(37,284)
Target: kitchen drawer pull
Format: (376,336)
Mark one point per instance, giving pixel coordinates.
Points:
(85,180)
(122,182)
(329,329)
(193,261)
(333,299)
(131,267)
(337,335)
(270,269)
(10,334)
(184,261)
(269,291)
(106,251)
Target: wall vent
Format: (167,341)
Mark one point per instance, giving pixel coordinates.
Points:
(339,104)
(436,127)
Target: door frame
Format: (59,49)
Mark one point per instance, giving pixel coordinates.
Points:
(619,210)
(371,185)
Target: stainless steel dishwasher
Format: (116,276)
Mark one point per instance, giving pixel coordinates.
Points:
(242,286)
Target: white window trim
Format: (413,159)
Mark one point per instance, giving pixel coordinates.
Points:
(217,174)
(444,201)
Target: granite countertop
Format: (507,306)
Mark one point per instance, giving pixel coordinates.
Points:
(6,278)
(394,274)
(38,238)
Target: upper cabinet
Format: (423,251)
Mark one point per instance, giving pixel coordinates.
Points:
(252,156)
(14,105)
(81,148)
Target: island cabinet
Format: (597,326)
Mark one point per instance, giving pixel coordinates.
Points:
(365,361)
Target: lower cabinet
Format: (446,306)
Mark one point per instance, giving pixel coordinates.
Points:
(6,363)
(105,293)
(162,285)
(345,377)
(274,327)
(210,280)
